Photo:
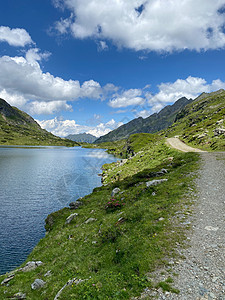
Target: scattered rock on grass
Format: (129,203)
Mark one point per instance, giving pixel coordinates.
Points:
(19,296)
(115,191)
(90,220)
(70,218)
(155,182)
(69,283)
(31,265)
(37,284)
(7,280)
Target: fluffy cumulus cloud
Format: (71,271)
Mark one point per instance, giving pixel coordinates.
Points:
(127,98)
(15,37)
(158,25)
(190,87)
(63,128)
(22,78)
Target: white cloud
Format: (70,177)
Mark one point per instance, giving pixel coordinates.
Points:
(127,98)
(15,37)
(22,77)
(158,25)
(13,99)
(102,46)
(48,108)
(63,128)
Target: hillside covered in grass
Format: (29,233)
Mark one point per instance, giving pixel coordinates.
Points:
(107,245)
(202,123)
(18,128)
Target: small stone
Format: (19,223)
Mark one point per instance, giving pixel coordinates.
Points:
(212,295)
(115,191)
(155,182)
(161,219)
(153,194)
(48,273)
(214,279)
(37,284)
(7,280)
(70,218)
(90,220)
(210,228)
(19,296)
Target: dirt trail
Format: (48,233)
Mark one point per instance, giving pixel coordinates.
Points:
(179,145)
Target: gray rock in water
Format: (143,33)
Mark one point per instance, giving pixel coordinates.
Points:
(19,296)
(7,280)
(115,191)
(70,218)
(31,265)
(155,182)
(75,204)
(37,284)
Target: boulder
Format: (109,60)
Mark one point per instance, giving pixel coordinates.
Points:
(75,204)
(31,265)
(155,182)
(115,191)
(37,284)
(70,218)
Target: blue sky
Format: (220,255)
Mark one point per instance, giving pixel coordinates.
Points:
(92,65)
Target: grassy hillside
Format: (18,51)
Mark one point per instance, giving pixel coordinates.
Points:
(18,128)
(202,123)
(112,245)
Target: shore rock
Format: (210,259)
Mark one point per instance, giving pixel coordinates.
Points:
(7,280)
(31,265)
(75,204)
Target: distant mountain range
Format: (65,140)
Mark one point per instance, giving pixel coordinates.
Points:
(151,124)
(82,138)
(18,128)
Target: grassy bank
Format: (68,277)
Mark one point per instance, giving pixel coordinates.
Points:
(114,241)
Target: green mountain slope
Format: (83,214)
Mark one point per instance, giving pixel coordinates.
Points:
(82,138)
(18,128)
(152,124)
(202,122)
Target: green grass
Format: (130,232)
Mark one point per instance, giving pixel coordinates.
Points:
(114,253)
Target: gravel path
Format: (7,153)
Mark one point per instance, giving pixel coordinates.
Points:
(201,271)
(179,145)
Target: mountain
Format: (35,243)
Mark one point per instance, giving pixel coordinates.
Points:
(18,128)
(82,138)
(151,124)
(202,122)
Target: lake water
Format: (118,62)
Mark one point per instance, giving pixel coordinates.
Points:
(35,182)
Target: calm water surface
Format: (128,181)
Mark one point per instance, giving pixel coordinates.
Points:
(35,182)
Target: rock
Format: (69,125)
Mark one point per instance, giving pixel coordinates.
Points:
(170,158)
(115,191)
(70,218)
(155,182)
(31,265)
(162,172)
(19,296)
(69,283)
(37,284)
(219,131)
(7,280)
(153,194)
(90,220)
(48,273)
(210,228)
(75,204)
(161,219)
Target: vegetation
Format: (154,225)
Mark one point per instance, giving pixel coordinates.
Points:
(18,128)
(82,138)
(202,123)
(113,247)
